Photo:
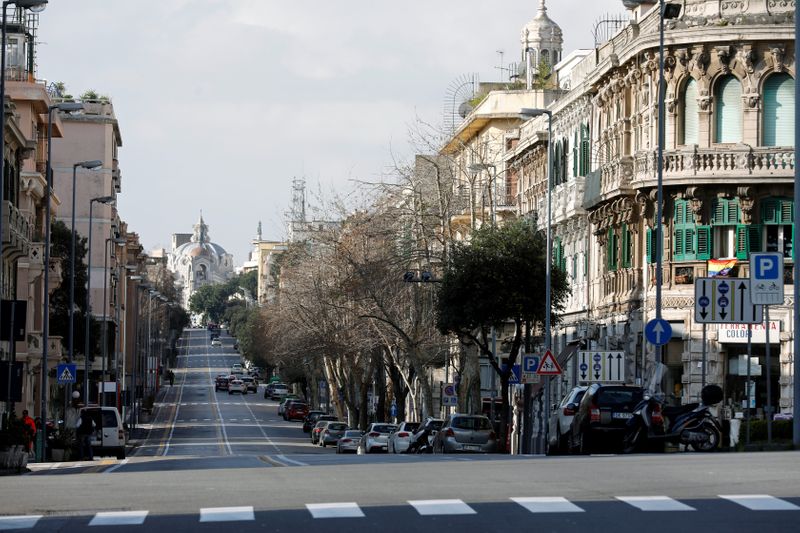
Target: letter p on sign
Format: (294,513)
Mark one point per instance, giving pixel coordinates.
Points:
(766,267)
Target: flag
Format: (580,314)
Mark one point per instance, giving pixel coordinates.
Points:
(720,267)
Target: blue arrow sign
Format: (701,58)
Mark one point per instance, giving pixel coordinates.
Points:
(658,332)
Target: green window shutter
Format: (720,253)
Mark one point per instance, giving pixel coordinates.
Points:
(680,211)
(688,242)
(728,108)
(770,211)
(585,150)
(717,211)
(787,212)
(754,232)
(648,245)
(778,110)
(612,253)
(575,157)
(732,213)
(690,113)
(704,242)
(677,241)
(556,252)
(742,242)
(626,243)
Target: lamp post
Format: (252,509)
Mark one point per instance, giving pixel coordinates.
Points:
(796,279)
(105,317)
(529,113)
(132,277)
(665,11)
(67,107)
(70,334)
(108,200)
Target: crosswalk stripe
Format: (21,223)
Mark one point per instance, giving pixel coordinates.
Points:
(761,502)
(555,504)
(335,510)
(119,518)
(655,503)
(18,522)
(226,514)
(441,507)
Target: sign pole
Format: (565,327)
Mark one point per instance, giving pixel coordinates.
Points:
(705,358)
(769,386)
(748,387)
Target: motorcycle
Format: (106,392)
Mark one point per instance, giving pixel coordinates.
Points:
(654,423)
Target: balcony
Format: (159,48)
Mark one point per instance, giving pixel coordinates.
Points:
(609,181)
(16,232)
(695,165)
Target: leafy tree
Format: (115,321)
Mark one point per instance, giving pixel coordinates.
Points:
(496,278)
(61,238)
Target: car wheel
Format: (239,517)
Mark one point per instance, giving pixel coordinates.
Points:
(121,453)
(324,444)
(585,446)
(230,392)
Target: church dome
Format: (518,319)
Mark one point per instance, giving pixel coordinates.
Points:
(542,27)
(199,246)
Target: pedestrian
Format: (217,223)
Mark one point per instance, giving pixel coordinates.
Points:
(171,377)
(86,427)
(30,430)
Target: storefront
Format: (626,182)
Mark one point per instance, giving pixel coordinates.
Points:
(733,342)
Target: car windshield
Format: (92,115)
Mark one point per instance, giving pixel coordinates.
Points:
(352,433)
(434,424)
(619,396)
(471,422)
(338,426)
(383,428)
(411,426)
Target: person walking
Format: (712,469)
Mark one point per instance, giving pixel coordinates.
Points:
(30,430)
(86,427)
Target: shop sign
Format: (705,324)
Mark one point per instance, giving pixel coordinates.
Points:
(737,333)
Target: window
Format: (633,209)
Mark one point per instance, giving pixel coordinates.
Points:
(627,247)
(777,230)
(690,112)
(585,151)
(778,114)
(728,110)
(575,156)
(729,240)
(683,233)
(612,252)
(559,258)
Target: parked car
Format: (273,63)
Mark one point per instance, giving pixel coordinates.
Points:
(321,418)
(284,401)
(465,433)
(349,441)
(310,419)
(237,369)
(602,417)
(216,342)
(316,431)
(332,433)
(561,420)
(279,391)
(295,410)
(237,385)
(422,439)
(221,382)
(109,437)
(376,438)
(250,382)
(401,437)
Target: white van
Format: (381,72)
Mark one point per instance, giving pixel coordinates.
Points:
(109,437)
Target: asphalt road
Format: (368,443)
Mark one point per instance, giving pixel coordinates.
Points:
(214,461)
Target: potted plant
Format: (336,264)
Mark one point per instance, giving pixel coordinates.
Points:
(13,441)
(63,444)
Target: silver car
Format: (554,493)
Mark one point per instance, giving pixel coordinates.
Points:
(400,439)
(465,433)
(332,433)
(349,441)
(376,438)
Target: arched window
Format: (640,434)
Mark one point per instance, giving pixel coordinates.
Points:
(690,112)
(778,115)
(545,56)
(728,110)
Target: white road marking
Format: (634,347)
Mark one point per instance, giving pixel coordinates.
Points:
(121,463)
(18,522)
(335,510)
(554,504)
(219,416)
(177,409)
(119,518)
(226,514)
(655,503)
(761,502)
(285,459)
(441,507)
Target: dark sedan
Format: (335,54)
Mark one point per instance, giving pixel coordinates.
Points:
(602,417)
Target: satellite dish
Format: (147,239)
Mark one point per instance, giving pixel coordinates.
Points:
(464,109)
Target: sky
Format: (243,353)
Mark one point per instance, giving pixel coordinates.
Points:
(221,103)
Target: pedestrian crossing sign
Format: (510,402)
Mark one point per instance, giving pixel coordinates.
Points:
(66,373)
(548,365)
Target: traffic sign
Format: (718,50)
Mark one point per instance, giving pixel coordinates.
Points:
(530,363)
(766,278)
(66,373)
(449,396)
(548,366)
(515,375)
(601,366)
(658,332)
(725,301)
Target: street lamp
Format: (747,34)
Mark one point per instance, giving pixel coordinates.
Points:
(795,365)
(526,114)
(108,200)
(106,253)
(666,11)
(70,335)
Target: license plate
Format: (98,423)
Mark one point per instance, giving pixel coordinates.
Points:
(622,415)
(472,447)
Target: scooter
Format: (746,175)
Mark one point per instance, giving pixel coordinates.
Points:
(691,424)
